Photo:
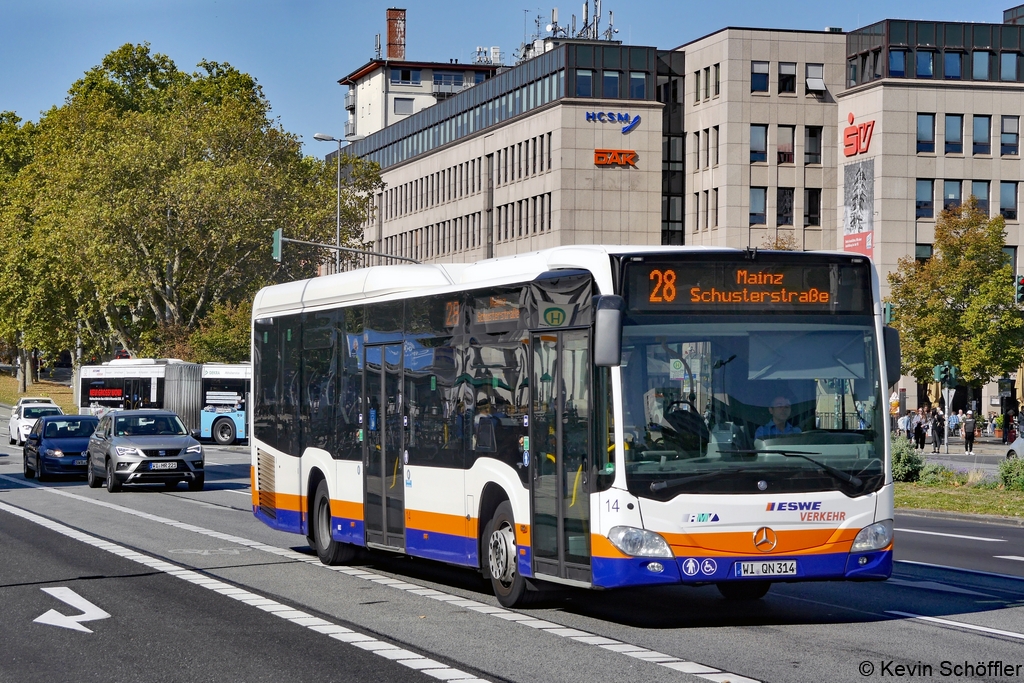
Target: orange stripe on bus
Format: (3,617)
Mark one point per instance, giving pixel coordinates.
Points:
(806,541)
(347,509)
(291,502)
(252,485)
(600,546)
(523,534)
(437,522)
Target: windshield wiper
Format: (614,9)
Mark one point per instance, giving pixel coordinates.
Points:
(835,472)
(672,483)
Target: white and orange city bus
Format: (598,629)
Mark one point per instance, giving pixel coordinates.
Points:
(590,416)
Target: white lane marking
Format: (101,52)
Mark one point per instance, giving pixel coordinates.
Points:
(961,569)
(935,586)
(936,533)
(90,612)
(299,618)
(959,624)
(1009,557)
(454,600)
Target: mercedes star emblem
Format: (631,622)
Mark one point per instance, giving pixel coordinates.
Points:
(765,540)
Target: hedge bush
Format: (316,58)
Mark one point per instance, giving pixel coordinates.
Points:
(1011,473)
(906,462)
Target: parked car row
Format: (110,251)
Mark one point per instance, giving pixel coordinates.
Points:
(124,447)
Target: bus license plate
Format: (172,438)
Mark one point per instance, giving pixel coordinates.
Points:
(777,568)
(164,466)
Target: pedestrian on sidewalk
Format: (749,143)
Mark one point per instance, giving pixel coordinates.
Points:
(969,426)
(936,429)
(920,429)
(954,421)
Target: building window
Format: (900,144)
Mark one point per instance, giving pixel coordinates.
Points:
(696,87)
(405,76)
(815,78)
(812,145)
(925,64)
(403,105)
(714,146)
(982,134)
(637,85)
(757,204)
(979,188)
(926,132)
(1009,138)
(584,83)
(448,78)
(812,206)
(953,67)
(696,211)
(1008,66)
(759,77)
(707,82)
(1011,256)
(951,198)
(714,204)
(981,63)
(758,142)
(718,80)
(954,133)
(876,59)
(851,73)
(922,252)
(925,198)
(1008,200)
(610,84)
(784,206)
(707,208)
(696,151)
(785,144)
(897,63)
(787,77)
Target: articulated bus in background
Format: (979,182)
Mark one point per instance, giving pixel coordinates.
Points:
(587,416)
(210,398)
(122,384)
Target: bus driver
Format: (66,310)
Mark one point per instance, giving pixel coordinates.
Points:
(779,410)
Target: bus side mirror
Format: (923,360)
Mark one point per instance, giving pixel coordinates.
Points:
(891,338)
(608,310)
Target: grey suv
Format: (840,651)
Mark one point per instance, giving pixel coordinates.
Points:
(144,447)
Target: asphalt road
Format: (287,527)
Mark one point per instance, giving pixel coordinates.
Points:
(954,597)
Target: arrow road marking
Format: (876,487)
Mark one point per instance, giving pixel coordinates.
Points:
(90,612)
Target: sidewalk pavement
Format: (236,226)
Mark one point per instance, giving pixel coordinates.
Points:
(989,451)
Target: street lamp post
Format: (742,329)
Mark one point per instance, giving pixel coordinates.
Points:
(323,137)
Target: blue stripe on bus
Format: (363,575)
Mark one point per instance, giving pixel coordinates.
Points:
(525,560)
(348,530)
(444,547)
(287,520)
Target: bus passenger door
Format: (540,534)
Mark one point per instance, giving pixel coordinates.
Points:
(560,425)
(384,478)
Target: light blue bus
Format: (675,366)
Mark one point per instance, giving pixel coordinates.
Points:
(210,398)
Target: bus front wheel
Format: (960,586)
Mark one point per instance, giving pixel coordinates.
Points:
(501,559)
(224,432)
(329,551)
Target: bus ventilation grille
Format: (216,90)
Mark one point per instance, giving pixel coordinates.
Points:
(265,480)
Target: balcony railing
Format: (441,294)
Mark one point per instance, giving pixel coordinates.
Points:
(350,127)
(350,99)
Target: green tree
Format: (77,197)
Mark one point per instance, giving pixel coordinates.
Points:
(959,304)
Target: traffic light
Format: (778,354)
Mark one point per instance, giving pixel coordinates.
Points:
(1020,289)
(945,373)
(937,373)
(276,250)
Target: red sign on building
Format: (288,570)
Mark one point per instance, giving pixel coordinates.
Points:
(856,139)
(615,157)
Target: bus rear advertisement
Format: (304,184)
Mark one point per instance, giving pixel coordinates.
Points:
(597,417)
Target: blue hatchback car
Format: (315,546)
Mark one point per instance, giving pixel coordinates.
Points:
(58,444)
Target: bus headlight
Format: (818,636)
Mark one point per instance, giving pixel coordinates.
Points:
(873,537)
(639,542)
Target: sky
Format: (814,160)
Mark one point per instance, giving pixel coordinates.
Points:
(297,50)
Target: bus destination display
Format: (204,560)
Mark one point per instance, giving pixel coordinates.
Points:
(720,287)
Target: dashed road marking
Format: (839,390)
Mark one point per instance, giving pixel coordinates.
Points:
(959,624)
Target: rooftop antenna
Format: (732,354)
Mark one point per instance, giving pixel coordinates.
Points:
(595,32)
(376,48)
(611,30)
(572,30)
(584,31)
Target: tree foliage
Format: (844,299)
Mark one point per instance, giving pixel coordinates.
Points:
(148,199)
(958,306)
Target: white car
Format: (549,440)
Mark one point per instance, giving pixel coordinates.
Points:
(32,399)
(25,415)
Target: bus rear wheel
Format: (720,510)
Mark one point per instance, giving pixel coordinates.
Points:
(224,432)
(329,551)
(745,590)
(502,559)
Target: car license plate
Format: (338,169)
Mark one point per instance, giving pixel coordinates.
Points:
(78,462)
(776,568)
(163,466)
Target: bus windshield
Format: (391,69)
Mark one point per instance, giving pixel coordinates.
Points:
(745,404)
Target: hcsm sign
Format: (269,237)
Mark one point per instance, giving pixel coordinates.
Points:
(615,117)
(615,157)
(856,139)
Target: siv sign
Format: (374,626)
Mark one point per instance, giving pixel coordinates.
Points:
(614,117)
(856,139)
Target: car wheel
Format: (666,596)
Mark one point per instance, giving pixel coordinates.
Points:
(91,478)
(41,474)
(113,485)
(329,551)
(10,436)
(746,590)
(197,483)
(224,432)
(1011,455)
(502,561)
(28,471)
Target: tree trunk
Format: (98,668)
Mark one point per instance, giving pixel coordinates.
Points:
(22,362)
(33,367)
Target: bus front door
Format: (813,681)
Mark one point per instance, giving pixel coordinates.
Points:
(383,464)
(560,426)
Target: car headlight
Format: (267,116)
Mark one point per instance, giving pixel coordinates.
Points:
(639,542)
(194,449)
(129,450)
(873,537)
(53,453)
